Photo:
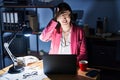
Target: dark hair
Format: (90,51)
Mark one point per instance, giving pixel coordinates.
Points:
(64,7)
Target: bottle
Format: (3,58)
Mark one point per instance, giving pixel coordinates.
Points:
(99,25)
(28,51)
(105,24)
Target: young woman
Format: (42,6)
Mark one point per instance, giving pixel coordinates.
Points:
(66,38)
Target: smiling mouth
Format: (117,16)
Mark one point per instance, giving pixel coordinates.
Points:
(64,21)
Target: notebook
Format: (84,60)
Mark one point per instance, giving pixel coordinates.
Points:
(60,64)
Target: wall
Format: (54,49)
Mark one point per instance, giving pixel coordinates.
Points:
(118,8)
(92,9)
(44,15)
(98,8)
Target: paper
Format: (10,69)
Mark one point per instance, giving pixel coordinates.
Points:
(27,74)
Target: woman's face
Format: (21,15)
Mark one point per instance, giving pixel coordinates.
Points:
(64,18)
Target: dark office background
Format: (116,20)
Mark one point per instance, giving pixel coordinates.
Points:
(92,10)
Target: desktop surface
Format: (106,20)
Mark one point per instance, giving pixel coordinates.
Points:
(39,65)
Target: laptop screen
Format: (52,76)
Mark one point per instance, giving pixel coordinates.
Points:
(60,64)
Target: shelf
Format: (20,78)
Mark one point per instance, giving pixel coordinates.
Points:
(11,7)
(30,6)
(34,4)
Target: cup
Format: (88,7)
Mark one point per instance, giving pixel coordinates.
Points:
(83,64)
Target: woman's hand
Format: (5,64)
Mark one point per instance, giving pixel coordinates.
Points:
(57,14)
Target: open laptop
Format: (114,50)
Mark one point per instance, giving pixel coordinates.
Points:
(60,64)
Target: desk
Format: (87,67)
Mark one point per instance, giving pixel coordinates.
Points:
(39,64)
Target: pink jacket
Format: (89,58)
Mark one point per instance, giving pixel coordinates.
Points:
(78,44)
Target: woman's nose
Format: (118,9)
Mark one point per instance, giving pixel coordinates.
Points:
(64,16)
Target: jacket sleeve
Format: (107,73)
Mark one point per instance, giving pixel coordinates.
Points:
(82,46)
(47,32)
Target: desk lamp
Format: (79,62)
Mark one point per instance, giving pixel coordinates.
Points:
(18,66)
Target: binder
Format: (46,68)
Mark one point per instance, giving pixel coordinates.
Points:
(11,20)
